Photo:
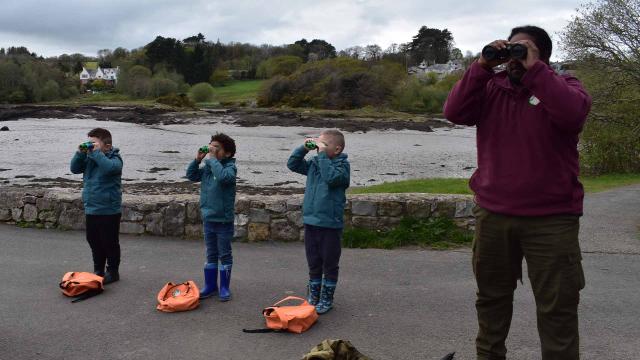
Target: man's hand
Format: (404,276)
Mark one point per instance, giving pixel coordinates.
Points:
(489,65)
(533,53)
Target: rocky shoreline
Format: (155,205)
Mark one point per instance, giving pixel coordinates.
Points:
(245,117)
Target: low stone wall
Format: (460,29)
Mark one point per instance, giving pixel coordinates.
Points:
(258,218)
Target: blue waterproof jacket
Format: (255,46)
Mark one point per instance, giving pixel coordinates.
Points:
(102,177)
(327,182)
(217,188)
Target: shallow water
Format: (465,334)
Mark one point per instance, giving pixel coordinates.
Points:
(42,148)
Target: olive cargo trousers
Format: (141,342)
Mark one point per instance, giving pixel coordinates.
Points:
(550,246)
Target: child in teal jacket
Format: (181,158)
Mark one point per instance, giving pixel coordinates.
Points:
(217,204)
(328,176)
(101,166)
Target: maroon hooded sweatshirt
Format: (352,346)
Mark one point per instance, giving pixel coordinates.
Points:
(527,139)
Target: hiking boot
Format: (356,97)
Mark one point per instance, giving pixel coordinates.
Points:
(111,275)
(313,291)
(326,297)
(210,280)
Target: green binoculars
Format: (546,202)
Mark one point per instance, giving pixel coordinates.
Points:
(203,149)
(310,145)
(86,146)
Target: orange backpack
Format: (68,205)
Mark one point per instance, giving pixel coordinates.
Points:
(178,297)
(82,285)
(296,319)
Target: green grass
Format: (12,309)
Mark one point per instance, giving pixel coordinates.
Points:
(600,183)
(237,92)
(433,186)
(591,184)
(435,233)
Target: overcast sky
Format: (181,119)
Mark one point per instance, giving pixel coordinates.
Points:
(54,27)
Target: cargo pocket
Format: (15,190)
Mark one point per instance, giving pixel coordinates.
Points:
(574,280)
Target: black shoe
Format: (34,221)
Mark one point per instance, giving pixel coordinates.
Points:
(99,273)
(111,276)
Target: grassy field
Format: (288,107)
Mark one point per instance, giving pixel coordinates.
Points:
(460,186)
(236,93)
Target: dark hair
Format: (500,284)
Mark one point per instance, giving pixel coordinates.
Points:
(541,38)
(228,144)
(103,134)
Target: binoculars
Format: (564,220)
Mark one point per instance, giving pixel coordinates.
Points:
(204,149)
(86,146)
(512,51)
(310,145)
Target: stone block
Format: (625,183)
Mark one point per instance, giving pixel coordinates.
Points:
(240,232)
(365,222)
(48,216)
(259,216)
(5,214)
(71,218)
(193,231)
(282,230)
(294,203)
(364,208)
(29,199)
(16,214)
(154,223)
(445,208)
(257,204)
(174,216)
(295,217)
(387,223)
(390,208)
(242,205)
(193,213)
(464,209)
(241,220)
(258,232)
(44,203)
(419,209)
(277,207)
(30,212)
(131,228)
(129,214)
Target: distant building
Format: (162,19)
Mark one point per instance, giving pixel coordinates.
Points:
(109,75)
(440,69)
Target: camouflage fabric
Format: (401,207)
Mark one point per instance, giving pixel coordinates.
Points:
(335,350)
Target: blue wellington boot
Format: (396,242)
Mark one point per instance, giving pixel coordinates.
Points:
(210,281)
(313,291)
(326,296)
(225,279)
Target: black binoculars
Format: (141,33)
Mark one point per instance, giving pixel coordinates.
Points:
(512,51)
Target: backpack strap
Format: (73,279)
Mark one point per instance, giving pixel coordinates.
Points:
(259,331)
(86,295)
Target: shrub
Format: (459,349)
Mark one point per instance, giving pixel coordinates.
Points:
(181,101)
(340,83)
(201,92)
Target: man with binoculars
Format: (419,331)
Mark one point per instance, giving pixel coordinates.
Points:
(528,196)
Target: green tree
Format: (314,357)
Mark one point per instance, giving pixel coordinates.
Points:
(50,90)
(220,77)
(603,39)
(432,45)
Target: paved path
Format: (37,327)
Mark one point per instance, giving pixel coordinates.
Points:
(400,304)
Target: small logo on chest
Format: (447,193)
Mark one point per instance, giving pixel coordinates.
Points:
(533,100)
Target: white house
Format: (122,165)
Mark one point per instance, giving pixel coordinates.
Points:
(440,69)
(109,75)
